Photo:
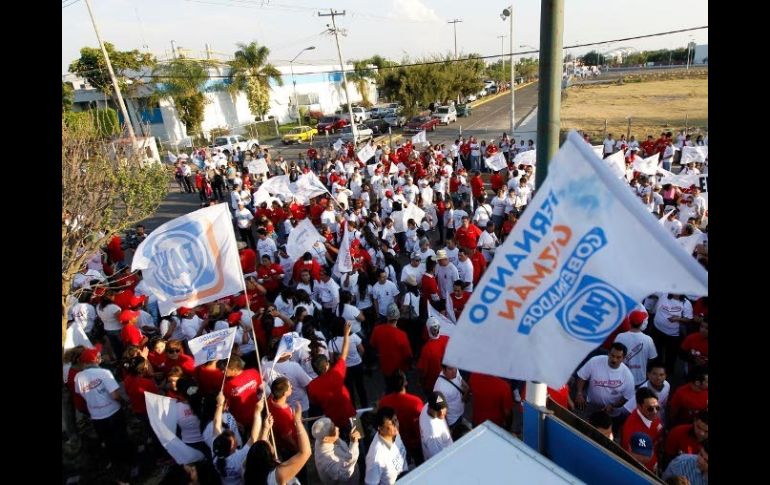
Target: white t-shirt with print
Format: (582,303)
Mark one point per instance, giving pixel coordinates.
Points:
(350,314)
(354,358)
(668,307)
(641,349)
(96,386)
(83,314)
(606,385)
(188,422)
(434,434)
(107,314)
(228,422)
(384,294)
(454,398)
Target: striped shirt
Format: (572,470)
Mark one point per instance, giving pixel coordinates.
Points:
(686,466)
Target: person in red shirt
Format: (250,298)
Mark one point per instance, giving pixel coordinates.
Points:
(316,210)
(360,257)
(467,235)
(508,224)
(243,388)
(496,180)
(262,211)
(391,343)
(270,276)
(123,298)
(297,211)
(429,287)
(648,146)
(695,347)
(479,264)
(408,408)
(286,437)
(644,419)
(209,378)
(465,154)
(690,398)
(277,214)
(72,356)
(130,334)
(429,363)
(248,258)
(477,185)
(312,154)
(459,297)
(687,439)
(454,183)
(135,382)
(115,250)
(306,263)
(492,399)
(175,356)
(328,390)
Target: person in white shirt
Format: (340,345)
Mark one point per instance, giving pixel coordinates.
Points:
(698,202)
(83,313)
(488,242)
(455,390)
(328,291)
(244,219)
(523,193)
(452,251)
(191,324)
(611,383)
(335,461)
(434,431)
(483,213)
(266,245)
(668,155)
(641,348)
(671,312)
(656,380)
(386,459)
(414,269)
(384,292)
(410,190)
(464,269)
(672,224)
(235,198)
(446,274)
(609,145)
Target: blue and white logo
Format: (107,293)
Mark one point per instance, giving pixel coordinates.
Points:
(594,311)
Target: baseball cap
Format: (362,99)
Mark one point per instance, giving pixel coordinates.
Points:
(321,428)
(90,356)
(637,317)
(393,312)
(641,444)
(437,401)
(127,315)
(137,300)
(234,317)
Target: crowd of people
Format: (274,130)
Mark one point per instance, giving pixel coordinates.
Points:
(251,415)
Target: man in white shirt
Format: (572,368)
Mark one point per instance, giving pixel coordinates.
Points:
(641,348)
(266,246)
(668,155)
(189,322)
(335,460)
(611,383)
(244,220)
(414,269)
(235,198)
(670,312)
(656,380)
(386,458)
(384,292)
(672,224)
(446,274)
(609,145)
(451,384)
(434,431)
(328,291)
(452,251)
(464,269)
(488,242)
(410,190)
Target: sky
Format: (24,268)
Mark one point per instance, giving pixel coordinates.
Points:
(396,29)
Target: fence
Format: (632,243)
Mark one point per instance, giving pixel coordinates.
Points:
(640,129)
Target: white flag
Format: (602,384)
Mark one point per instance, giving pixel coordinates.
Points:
(290,343)
(161,411)
(684,181)
(337,145)
(366,152)
(171,157)
(344,263)
(496,162)
(583,254)
(76,336)
(393,169)
(308,185)
(647,166)
(277,185)
(450,309)
(694,154)
(413,212)
(662,220)
(527,158)
(212,346)
(447,326)
(191,260)
(371,168)
(262,195)
(617,163)
(419,138)
(260,166)
(598,150)
(301,239)
(688,243)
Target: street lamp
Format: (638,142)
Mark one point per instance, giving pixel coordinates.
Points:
(508,14)
(294,82)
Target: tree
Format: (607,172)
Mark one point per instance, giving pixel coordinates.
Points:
(591,58)
(184,82)
(250,72)
(67,96)
(361,76)
(105,189)
(102,123)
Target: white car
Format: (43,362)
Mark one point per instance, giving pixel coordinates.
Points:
(470,97)
(228,143)
(364,134)
(445,114)
(359,114)
(482,93)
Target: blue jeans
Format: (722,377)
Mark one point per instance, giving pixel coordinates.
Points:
(475,162)
(667,165)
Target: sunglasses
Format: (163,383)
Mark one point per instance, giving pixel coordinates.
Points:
(173,351)
(653,408)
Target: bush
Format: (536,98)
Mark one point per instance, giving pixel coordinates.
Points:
(102,122)
(220,131)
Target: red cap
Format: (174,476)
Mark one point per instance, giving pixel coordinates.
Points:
(234,317)
(240,300)
(128,315)
(388,193)
(137,300)
(91,356)
(637,317)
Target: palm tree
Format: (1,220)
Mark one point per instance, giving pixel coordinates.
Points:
(250,72)
(184,81)
(360,76)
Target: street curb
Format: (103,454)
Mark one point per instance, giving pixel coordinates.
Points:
(487,99)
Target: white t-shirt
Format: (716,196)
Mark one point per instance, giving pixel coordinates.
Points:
(84,315)
(107,314)
(454,398)
(385,461)
(177,334)
(671,308)
(233,474)
(434,434)
(674,227)
(228,422)
(96,385)
(641,350)
(384,295)
(243,217)
(606,385)
(452,255)
(609,145)
(354,358)
(482,215)
(190,326)
(350,314)
(266,247)
(446,277)
(498,206)
(465,272)
(283,306)
(410,270)
(188,422)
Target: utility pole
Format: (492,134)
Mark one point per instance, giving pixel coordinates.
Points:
(454,24)
(115,84)
(173,49)
(549,89)
(502,54)
(508,13)
(332,13)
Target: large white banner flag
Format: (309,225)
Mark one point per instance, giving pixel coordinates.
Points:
(617,163)
(582,256)
(259,167)
(161,411)
(413,212)
(366,152)
(598,150)
(191,260)
(447,326)
(680,180)
(694,154)
(419,138)
(646,166)
(302,239)
(262,195)
(344,263)
(277,185)
(307,186)
(527,158)
(212,346)
(496,161)
(75,336)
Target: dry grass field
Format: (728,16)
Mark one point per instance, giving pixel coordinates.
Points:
(653,106)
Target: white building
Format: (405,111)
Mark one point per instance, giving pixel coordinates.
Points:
(318,88)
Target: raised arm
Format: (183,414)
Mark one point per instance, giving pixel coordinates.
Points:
(218,414)
(345,342)
(256,427)
(289,469)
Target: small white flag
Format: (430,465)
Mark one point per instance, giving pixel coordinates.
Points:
(617,163)
(161,411)
(646,166)
(171,157)
(694,154)
(447,326)
(212,346)
(366,152)
(290,343)
(301,239)
(337,145)
(527,158)
(419,138)
(496,162)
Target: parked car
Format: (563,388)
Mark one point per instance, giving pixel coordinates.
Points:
(482,93)
(378,112)
(470,97)
(299,134)
(378,126)
(228,143)
(395,118)
(364,134)
(445,114)
(492,89)
(331,124)
(464,109)
(420,123)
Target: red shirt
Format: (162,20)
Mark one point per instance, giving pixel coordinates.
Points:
(314,267)
(157,360)
(492,398)
(123,298)
(316,211)
(361,259)
(648,147)
(465,149)
(429,287)
(408,408)
(497,181)
(681,440)
(298,211)
(477,186)
(242,393)
(634,424)
(130,335)
(114,250)
(468,237)
(454,184)
(135,387)
(393,347)
(278,216)
(77,399)
(696,344)
(312,153)
(458,303)
(507,227)
(430,360)
(248,260)
(479,265)
(184,361)
(701,307)
(263,212)
(685,404)
(209,379)
(272,274)
(329,392)
(286,438)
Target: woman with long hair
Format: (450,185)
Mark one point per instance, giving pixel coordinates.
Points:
(229,460)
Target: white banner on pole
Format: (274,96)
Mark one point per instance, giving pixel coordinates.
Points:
(419,138)
(496,162)
(337,145)
(617,163)
(647,166)
(260,166)
(301,239)
(212,346)
(161,411)
(559,284)
(76,336)
(366,152)
(277,185)
(527,158)
(344,263)
(598,150)
(171,157)
(447,326)
(694,154)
